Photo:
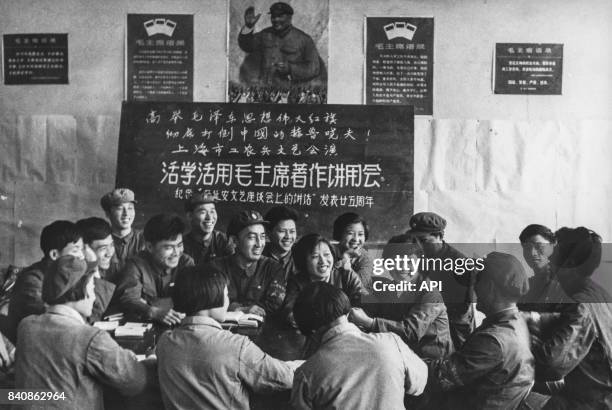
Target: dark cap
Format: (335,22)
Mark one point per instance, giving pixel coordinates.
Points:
(199,198)
(62,275)
(117,197)
(507,274)
(426,222)
(280,8)
(577,248)
(244,219)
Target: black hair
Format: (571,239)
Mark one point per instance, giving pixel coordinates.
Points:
(195,289)
(319,304)
(578,248)
(93,229)
(401,245)
(280,213)
(57,235)
(346,219)
(76,292)
(163,227)
(535,229)
(304,248)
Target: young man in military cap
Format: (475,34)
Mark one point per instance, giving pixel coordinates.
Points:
(57,239)
(427,229)
(118,205)
(204,242)
(577,347)
(256,282)
(59,352)
(147,279)
(494,369)
(288,56)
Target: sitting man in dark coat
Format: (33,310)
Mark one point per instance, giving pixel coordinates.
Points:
(494,369)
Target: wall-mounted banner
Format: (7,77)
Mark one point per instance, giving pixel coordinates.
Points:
(35,59)
(321,159)
(278,54)
(528,68)
(159,57)
(399,62)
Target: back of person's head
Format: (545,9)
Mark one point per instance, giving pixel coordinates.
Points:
(94,229)
(281,213)
(66,280)
(163,227)
(577,248)
(346,219)
(535,229)
(57,235)
(400,245)
(303,249)
(195,290)
(318,305)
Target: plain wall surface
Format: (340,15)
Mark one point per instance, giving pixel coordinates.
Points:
(489,163)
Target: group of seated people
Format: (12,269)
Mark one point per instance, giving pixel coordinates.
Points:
(546,341)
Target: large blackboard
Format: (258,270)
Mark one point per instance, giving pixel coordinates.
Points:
(321,160)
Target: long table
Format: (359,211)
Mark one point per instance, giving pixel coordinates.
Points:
(276,339)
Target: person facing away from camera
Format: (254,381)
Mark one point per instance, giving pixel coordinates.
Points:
(574,352)
(59,352)
(203,366)
(417,316)
(350,369)
(494,369)
(59,238)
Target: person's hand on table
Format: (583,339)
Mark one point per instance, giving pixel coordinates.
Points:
(168,317)
(361,318)
(250,19)
(255,309)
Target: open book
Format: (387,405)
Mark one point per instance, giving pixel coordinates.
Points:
(133,329)
(242,319)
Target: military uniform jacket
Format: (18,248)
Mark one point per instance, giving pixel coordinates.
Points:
(293,47)
(262,284)
(27,296)
(494,369)
(193,244)
(579,349)
(144,282)
(418,317)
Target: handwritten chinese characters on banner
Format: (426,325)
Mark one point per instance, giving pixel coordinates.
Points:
(323,160)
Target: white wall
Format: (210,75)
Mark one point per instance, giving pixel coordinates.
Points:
(490,163)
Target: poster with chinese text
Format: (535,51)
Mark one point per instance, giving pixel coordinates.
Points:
(159,57)
(323,160)
(35,59)
(278,55)
(528,68)
(399,62)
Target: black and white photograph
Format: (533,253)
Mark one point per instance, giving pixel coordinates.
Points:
(317,204)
